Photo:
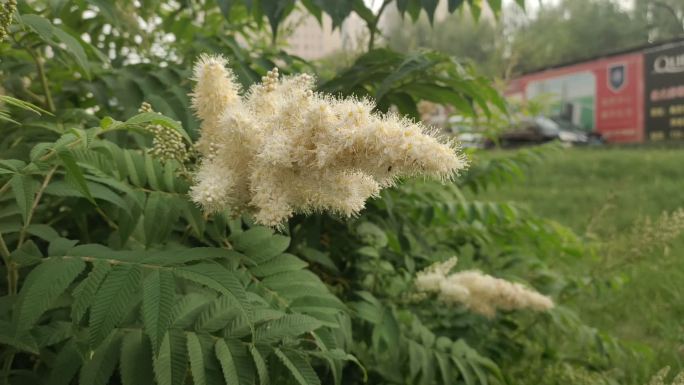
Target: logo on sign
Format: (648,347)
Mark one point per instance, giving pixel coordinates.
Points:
(668,64)
(617,77)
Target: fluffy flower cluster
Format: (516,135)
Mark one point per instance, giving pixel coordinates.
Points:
(6,11)
(478,292)
(167,144)
(283,149)
(659,378)
(648,235)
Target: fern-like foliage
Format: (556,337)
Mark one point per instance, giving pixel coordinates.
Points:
(168,296)
(110,275)
(116,277)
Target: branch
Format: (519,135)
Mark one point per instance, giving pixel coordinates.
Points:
(5,253)
(671,11)
(43,80)
(374,26)
(41,74)
(46,181)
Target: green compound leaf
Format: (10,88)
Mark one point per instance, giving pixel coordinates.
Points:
(299,366)
(42,287)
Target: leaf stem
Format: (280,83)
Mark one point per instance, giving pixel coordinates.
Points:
(43,79)
(106,218)
(12,270)
(4,187)
(6,368)
(374,26)
(5,253)
(36,201)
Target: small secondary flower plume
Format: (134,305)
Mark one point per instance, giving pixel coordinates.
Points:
(478,292)
(7,9)
(283,149)
(659,378)
(167,144)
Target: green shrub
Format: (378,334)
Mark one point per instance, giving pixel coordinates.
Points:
(112,275)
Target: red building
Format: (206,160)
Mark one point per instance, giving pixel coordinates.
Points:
(630,96)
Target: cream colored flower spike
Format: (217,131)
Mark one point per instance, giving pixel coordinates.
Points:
(283,149)
(478,292)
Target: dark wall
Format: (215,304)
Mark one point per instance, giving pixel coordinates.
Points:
(664,92)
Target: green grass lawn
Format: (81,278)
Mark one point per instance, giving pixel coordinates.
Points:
(604,194)
(608,188)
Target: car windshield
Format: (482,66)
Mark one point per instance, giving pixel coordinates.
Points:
(547,126)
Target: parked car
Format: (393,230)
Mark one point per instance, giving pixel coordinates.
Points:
(471,140)
(539,130)
(594,138)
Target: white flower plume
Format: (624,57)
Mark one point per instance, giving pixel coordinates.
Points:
(478,292)
(283,149)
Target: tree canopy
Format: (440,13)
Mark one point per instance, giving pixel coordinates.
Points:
(521,42)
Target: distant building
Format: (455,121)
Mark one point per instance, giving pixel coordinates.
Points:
(312,40)
(628,96)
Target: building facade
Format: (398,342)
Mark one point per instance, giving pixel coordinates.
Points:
(631,96)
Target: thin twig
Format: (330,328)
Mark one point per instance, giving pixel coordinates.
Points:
(374,26)
(36,201)
(106,218)
(671,11)
(4,187)
(7,368)
(4,251)
(43,80)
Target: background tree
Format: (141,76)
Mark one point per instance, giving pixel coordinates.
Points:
(459,35)
(573,30)
(556,33)
(663,18)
